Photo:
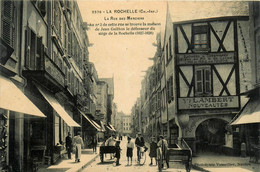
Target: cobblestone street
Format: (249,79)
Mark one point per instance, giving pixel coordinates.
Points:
(109,165)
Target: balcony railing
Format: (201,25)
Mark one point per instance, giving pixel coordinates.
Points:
(45,71)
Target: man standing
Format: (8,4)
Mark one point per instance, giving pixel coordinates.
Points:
(164,147)
(69,145)
(139,142)
(78,143)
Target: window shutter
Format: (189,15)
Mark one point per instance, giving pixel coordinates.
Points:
(39,53)
(207,81)
(33,50)
(170,48)
(199,81)
(27,47)
(66,75)
(7,22)
(171,87)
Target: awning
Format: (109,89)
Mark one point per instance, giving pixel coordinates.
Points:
(93,123)
(12,98)
(249,114)
(58,108)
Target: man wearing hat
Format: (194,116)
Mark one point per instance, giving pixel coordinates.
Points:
(153,153)
(139,142)
(164,146)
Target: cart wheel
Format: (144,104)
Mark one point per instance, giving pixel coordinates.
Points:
(159,160)
(188,165)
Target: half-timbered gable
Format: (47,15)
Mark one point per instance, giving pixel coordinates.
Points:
(210,67)
(207,64)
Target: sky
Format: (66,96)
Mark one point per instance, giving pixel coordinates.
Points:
(124,57)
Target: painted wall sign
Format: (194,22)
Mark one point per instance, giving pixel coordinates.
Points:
(210,58)
(208,102)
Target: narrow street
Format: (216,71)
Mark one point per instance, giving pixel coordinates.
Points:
(109,165)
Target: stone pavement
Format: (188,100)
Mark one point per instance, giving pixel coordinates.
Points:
(69,165)
(215,163)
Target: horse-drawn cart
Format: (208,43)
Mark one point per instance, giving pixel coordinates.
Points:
(105,150)
(180,152)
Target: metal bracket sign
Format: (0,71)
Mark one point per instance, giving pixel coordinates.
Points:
(208,102)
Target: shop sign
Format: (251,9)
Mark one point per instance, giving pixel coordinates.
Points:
(210,58)
(208,102)
(54,71)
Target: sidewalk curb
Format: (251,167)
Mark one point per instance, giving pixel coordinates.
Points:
(84,165)
(198,168)
(88,163)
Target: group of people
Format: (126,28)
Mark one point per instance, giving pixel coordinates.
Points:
(139,143)
(77,144)
(162,143)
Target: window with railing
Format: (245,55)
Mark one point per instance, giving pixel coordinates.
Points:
(34,50)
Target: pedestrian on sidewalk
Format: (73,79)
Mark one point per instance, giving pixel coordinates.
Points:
(94,144)
(118,151)
(129,151)
(69,145)
(78,144)
(153,153)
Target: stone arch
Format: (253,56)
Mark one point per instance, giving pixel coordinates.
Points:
(210,134)
(194,122)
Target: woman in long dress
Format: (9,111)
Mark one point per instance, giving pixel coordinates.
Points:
(78,143)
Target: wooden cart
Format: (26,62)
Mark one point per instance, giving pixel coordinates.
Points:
(180,152)
(105,150)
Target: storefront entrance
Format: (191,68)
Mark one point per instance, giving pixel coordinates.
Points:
(210,136)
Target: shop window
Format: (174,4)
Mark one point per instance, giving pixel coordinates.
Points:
(8,22)
(200,38)
(34,51)
(203,81)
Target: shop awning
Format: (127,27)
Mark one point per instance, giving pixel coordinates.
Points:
(93,123)
(58,108)
(249,114)
(12,98)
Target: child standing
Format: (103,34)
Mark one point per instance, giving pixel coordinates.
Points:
(118,149)
(152,154)
(129,151)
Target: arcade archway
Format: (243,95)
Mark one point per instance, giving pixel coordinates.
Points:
(210,135)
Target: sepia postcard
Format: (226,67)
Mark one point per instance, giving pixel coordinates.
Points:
(129,85)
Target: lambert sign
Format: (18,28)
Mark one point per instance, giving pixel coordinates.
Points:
(208,102)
